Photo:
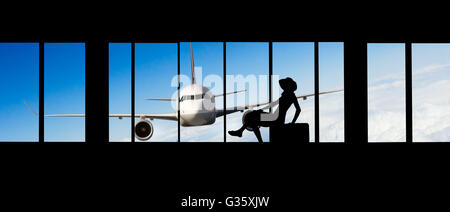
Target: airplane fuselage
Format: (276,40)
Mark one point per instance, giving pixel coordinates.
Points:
(197,106)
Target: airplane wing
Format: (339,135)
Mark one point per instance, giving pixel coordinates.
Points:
(151,116)
(162,99)
(229,110)
(165,99)
(230,93)
(304,97)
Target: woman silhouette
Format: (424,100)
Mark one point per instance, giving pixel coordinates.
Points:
(258,118)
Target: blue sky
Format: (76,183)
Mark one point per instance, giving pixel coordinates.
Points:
(19,67)
(120,90)
(156,67)
(64,91)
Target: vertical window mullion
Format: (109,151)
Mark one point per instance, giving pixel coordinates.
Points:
(41,92)
(270,72)
(133,46)
(178,90)
(408,89)
(224,90)
(316,92)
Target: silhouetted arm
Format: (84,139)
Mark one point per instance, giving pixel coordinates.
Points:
(297,110)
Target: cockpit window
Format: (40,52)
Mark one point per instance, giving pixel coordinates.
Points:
(193,97)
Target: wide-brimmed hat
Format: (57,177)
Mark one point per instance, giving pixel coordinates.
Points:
(288,84)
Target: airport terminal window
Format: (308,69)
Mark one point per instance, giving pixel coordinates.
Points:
(19,83)
(386,93)
(247,69)
(119,91)
(199,99)
(430,92)
(156,78)
(296,60)
(64,65)
(331,78)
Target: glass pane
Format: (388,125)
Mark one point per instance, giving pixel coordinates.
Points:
(296,60)
(198,119)
(247,69)
(156,77)
(331,106)
(19,83)
(120,90)
(64,91)
(431,96)
(386,92)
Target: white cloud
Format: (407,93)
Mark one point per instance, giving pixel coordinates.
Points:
(332,118)
(210,133)
(165,134)
(432,68)
(431,106)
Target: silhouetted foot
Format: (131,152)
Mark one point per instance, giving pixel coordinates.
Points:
(235,133)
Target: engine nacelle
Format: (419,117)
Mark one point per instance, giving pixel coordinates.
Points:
(143,130)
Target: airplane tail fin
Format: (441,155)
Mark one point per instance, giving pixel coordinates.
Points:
(31,109)
(192,66)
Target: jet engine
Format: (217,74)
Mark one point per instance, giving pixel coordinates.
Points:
(143,130)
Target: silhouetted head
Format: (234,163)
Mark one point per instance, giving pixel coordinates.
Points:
(287,84)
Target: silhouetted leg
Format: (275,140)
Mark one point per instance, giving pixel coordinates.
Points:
(267,123)
(257,133)
(244,126)
(239,131)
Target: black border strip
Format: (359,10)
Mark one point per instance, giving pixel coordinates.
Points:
(156,40)
(355,92)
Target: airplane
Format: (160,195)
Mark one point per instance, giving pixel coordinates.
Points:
(197,108)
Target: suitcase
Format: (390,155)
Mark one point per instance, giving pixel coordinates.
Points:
(290,133)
